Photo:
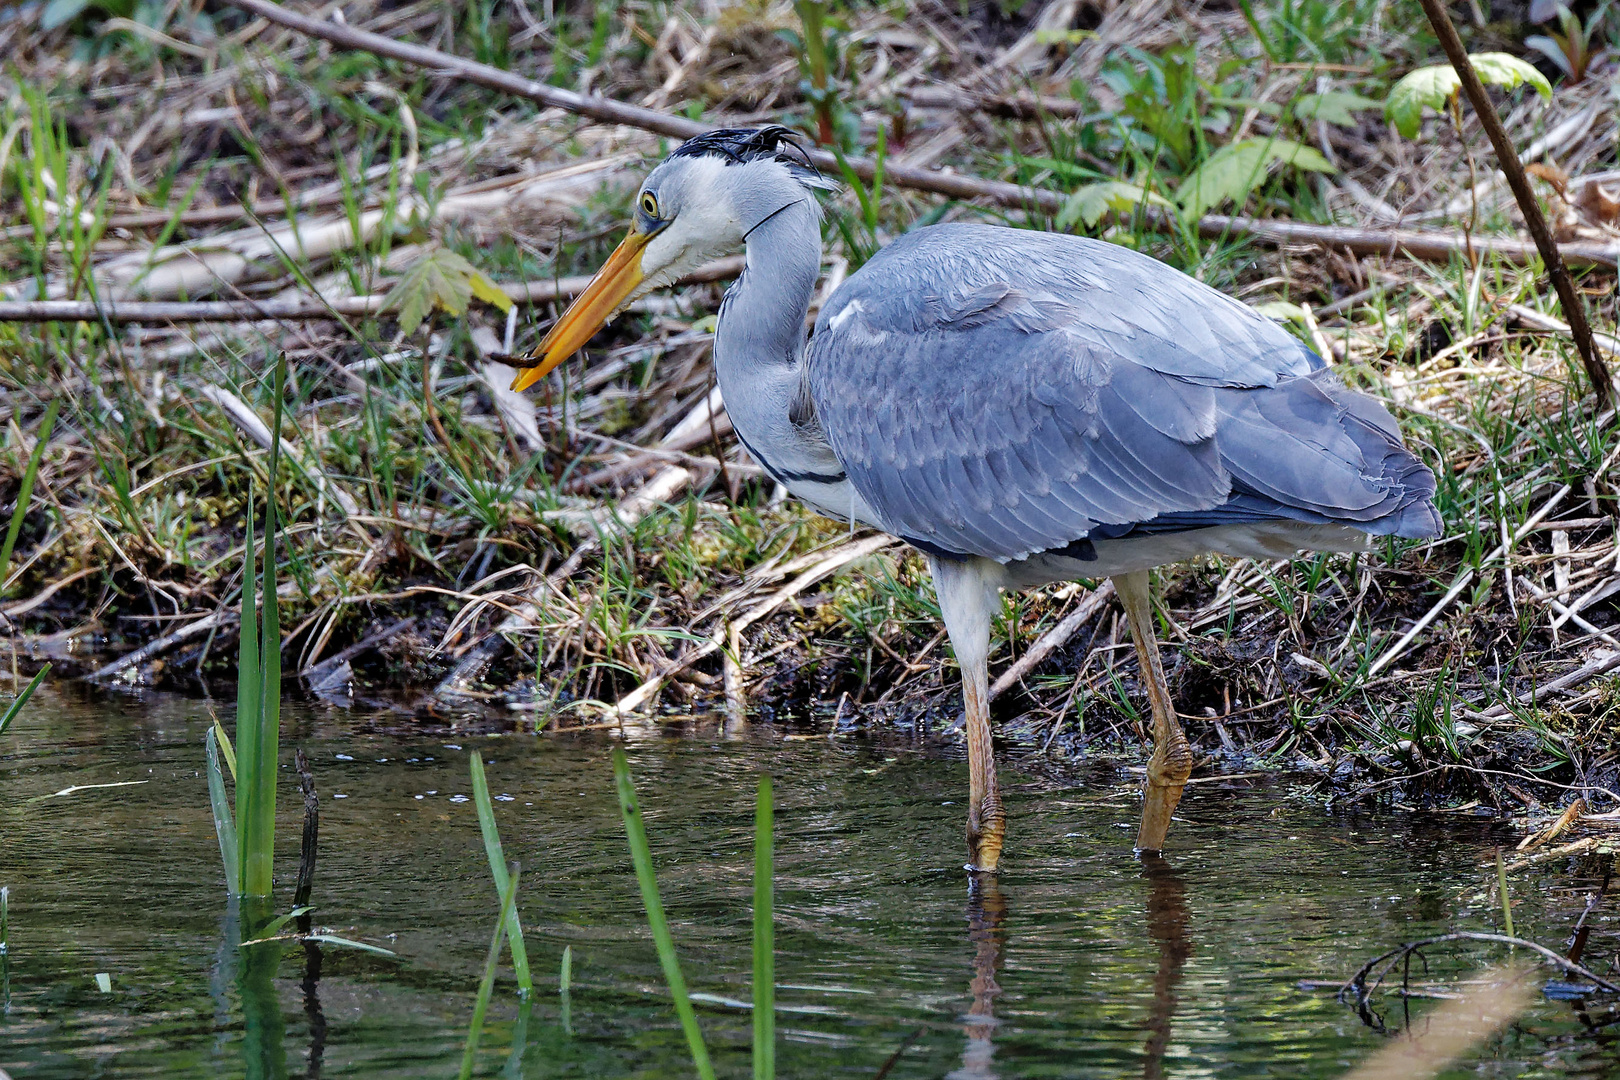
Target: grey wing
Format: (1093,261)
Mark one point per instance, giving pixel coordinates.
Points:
(1001,392)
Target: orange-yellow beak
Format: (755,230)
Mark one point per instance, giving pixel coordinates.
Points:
(616,280)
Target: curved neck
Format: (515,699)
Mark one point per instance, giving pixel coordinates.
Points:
(759,338)
(762,320)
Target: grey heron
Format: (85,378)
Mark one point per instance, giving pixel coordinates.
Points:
(1023,407)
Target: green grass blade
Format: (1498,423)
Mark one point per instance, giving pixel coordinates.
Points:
(26,492)
(22,699)
(1502,891)
(497,870)
(565,983)
(764,936)
(5,949)
(262,857)
(641,855)
(248,676)
(486,986)
(224,827)
(225,748)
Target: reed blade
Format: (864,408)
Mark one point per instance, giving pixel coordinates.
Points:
(5,950)
(226,750)
(22,699)
(257,775)
(486,986)
(248,675)
(565,983)
(26,492)
(224,826)
(641,855)
(497,870)
(764,935)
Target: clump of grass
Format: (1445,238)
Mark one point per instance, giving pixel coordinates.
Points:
(247,846)
(764,1004)
(24,493)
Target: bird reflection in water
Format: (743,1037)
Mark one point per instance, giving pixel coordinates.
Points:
(986,914)
(1167,928)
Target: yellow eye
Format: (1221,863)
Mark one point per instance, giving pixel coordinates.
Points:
(649,204)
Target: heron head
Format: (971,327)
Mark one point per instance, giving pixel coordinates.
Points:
(698,203)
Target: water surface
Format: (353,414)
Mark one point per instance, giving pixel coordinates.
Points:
(1079,962)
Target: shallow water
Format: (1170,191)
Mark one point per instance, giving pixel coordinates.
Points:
(1080,962)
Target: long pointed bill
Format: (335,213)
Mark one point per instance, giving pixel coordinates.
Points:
(616,280)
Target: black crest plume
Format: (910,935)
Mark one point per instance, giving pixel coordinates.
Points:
(741,145)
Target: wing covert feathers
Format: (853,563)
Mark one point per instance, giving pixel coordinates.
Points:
(1001,392)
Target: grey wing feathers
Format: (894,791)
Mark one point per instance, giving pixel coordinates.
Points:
(1000,392)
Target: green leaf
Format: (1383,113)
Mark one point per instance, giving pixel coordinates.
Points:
(1427,87)
(1433,87)
(764,933)
(1238,168)
(440,279)
(224,823)
(333,939)
(487,291)
(641,856)
(1508,72)
(1334,106)
(1090,202)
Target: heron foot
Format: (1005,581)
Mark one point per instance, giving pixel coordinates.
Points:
(1167,774)
(987,830)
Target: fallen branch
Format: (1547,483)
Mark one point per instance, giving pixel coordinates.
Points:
(1015,107)
(163,644)
(1577,847)
(1358,982)
(1580,676)
(174,311)
(317,673)
(1425,246)
(1053,639)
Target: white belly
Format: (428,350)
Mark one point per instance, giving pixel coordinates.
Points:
(1251,540)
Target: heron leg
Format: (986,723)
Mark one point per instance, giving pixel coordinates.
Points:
(1171,762)
(968,598)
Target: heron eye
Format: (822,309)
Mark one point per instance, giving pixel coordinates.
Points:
(649,204)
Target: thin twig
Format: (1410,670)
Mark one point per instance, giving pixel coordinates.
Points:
(1428,246)
(1574,310)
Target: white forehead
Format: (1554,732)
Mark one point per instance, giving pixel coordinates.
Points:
(683,175)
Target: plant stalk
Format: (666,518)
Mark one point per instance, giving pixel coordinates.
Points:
(1574,310)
